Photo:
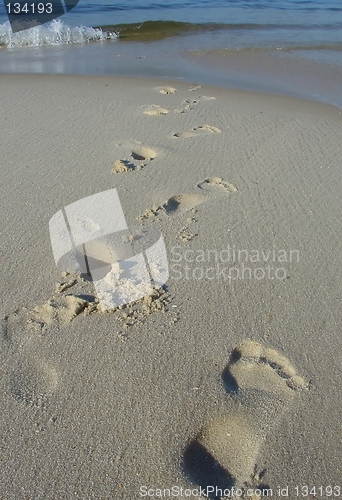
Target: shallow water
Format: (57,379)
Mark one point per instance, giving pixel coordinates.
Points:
(240,23)
(291,47)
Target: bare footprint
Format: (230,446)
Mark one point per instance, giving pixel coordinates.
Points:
(201,97)
(155,110)
(226,449)
(254,366)
(174,205)
(187,105)
(167,90)
(182,203)
(198,131)
(56,311)
(211,187)
(141,155)
(216,184)
(75,294)
(207,98)
(32,381)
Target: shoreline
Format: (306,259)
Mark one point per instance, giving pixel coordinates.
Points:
(98,404)
(282,72)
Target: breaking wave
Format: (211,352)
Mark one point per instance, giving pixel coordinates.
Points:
(54,33)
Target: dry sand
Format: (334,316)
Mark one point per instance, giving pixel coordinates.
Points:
(166,391)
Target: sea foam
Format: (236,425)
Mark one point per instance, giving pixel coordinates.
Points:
(54,33)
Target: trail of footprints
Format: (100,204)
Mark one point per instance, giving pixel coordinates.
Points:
(66,305)
(226,449)
(140,157)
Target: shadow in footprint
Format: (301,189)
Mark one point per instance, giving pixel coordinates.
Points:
(4,335)
(200,467)
(143,153)
(86,297)
(229,381)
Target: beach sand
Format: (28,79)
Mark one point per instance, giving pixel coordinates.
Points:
(211,380)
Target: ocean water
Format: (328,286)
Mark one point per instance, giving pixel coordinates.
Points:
(314,24)
(239,43)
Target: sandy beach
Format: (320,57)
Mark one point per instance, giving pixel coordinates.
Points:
(230,374)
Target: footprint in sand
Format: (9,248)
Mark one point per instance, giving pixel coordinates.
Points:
(187,105)
(216,184)
(206,98)
(154,110)
(29,379)
(167,90)
(32,381)
(174,205)
(141,156)
(57,311)
(32,378)
(213,186)
(143,153)
(182,203)
(263,384)
(197,132)
(75,296)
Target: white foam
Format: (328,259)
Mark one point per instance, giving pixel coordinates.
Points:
(54,33)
